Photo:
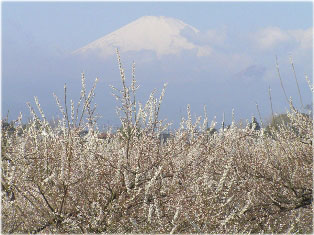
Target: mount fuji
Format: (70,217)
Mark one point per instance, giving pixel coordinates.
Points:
(159,34)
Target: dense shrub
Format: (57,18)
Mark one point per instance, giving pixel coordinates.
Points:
(235,180)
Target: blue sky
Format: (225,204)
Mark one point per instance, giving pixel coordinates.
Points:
(38,38)
(71,25)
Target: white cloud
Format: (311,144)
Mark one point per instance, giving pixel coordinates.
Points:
(303,37)
(215,37)
(271,37)
(204,51)
(209,37)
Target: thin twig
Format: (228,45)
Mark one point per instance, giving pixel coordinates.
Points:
(44,197)
(284,91)
(296,80)
(259,114)
(271,103)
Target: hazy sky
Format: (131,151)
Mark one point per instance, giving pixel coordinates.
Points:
(38,39)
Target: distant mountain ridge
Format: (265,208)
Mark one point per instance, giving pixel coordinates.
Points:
(160,34)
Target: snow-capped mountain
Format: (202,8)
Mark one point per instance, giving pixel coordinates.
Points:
(162,35)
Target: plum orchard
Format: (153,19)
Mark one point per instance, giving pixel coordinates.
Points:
(198,181)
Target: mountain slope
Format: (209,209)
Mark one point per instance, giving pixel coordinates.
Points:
(163,35)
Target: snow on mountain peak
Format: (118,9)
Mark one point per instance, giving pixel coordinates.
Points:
(160,34)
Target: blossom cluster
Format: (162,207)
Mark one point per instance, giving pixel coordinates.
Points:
(234,180)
